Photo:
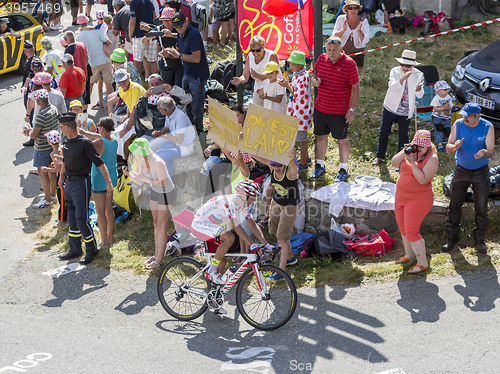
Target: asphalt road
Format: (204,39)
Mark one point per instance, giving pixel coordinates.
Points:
(99,321)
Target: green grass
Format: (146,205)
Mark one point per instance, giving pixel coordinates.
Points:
(135,238)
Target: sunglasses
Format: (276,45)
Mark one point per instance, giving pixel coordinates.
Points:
(256,50)
(352,8)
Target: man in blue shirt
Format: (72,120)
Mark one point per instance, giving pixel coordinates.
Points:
(191,52)
(473,140)
(143,11)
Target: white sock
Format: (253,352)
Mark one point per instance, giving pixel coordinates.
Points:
(212,268)
(321,163)
(343,166)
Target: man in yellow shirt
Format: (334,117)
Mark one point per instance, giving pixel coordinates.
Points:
(130,92)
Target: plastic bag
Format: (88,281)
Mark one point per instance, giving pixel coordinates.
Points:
(346,229)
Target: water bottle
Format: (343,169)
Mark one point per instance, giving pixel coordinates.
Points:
(229,273)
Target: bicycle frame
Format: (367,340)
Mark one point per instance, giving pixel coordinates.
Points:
(251,259)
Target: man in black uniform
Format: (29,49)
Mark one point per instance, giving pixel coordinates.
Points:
(78,155)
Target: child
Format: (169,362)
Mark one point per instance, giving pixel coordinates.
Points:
(54,138)
(271,92)
(441,109)
(300,104)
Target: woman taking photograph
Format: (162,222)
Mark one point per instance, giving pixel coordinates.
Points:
(414,196)
(353,30)
(151,169)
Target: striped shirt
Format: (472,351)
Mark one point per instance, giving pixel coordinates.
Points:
(334,92)
(47,121)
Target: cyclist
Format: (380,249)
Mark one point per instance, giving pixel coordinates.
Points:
(217,216)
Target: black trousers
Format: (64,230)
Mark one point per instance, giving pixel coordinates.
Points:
(480,181)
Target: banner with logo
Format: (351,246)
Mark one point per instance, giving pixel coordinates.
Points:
(282,34)
(269,134)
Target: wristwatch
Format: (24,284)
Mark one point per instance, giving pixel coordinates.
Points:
(354,110)
(180,55)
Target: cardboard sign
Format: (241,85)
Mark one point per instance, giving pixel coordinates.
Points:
(269,134)
(224,126)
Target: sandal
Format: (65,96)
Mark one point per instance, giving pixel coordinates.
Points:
(150,260)
(402,260)
(152,265)
(417,269)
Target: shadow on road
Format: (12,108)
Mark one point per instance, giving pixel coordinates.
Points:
(24,155)
(319,328)
(136,302)
(481,289)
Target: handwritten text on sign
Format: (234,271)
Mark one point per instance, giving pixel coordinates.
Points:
(269,134)
(224,126)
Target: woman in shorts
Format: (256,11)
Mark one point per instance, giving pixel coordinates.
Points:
(151,169)
(106,145)
(284,208)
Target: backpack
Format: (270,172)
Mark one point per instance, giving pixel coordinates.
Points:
(198,14)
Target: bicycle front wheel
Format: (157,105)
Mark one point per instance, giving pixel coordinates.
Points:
(275,308)
(188,302)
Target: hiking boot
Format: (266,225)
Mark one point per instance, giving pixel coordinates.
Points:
(318,171)
(450,244)
(341,175)
(480,246)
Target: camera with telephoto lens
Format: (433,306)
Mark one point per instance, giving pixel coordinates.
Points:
(412,148)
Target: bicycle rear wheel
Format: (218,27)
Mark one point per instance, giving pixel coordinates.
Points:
(272,311)
(179,303)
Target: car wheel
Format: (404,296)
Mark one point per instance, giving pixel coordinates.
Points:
(22,63)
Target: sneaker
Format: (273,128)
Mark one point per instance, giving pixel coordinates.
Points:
(291,262)
(41,204)
(215,278)
(341,175)
(309,161)
(274,277)
(441,149)
(318,171)
(302,168)
(98,107)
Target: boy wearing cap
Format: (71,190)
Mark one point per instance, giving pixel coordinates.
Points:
(300,103)
(473,140)
(441,109)
(72,83)
(272,92)
(45,121)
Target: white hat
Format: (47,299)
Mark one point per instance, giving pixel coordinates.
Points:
(408,57)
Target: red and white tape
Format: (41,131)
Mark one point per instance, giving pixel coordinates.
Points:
(431,36)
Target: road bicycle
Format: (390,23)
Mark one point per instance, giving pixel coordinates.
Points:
(186,294)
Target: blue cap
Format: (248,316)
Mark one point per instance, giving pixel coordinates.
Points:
(441,85)
(121,75)
(469,109)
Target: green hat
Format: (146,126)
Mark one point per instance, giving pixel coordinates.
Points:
(297,57)
(118,55)
(140,147)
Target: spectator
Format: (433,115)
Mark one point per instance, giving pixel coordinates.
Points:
(151,170)
(88,8)
(106,145)
(254,65)
(414,196)
(441,109)
(171,69)
(74,5)
(54,139)
(405,84)
(72,82)
(191,51)
(177,137)
(46,120)
(6,31)
(40,13)
(99,62)
(56,98)
(78,50)
(53,59)
(271,92)
(79,155)
(142,11)
(56,11)
(130,92)
(353,30)
(29,51)
(473,140)
(224,12)
(337,79)
(121,21)
(108,20)
(83,122)
(300,105)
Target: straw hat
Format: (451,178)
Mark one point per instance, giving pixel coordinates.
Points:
(351,2)
(408,58)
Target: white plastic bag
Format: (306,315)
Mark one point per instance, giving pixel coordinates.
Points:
(346,229)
